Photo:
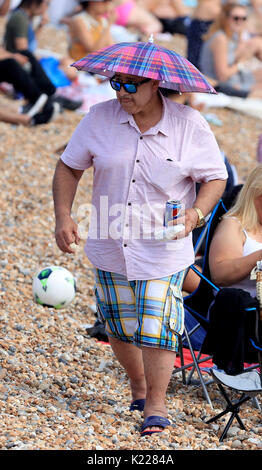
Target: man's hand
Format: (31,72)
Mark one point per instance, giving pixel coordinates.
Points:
(208,195)
(189,220)
(66,233)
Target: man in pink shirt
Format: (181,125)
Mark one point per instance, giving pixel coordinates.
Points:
(144,149)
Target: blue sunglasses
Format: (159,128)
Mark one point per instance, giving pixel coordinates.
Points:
(128,87)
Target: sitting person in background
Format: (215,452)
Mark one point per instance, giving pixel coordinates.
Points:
(226,51)
(174,15)
(22,27)
(137,15)
(36,87)
(237,243)
(20,34)
(20,38)
(90,29)
(204,15)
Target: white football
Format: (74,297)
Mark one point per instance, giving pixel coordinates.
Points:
(54,286)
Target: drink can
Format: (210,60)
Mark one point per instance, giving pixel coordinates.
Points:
(172,212)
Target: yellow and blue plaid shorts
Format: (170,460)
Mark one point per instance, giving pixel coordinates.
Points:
(145,313)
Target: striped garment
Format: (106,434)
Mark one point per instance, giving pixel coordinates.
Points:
(148,60)
(146,313)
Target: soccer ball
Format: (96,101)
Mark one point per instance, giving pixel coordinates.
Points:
(54,286)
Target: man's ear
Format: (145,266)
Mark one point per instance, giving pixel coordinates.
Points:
(155,85)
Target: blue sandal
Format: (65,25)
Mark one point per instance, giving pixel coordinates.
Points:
(137,405)
(156,421)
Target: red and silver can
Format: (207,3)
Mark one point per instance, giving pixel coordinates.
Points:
(172,212)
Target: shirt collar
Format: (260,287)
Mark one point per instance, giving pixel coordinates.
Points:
(162,126)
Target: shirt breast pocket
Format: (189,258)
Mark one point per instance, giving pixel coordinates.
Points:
(163,173)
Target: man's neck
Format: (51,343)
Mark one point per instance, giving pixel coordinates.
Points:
(151,115)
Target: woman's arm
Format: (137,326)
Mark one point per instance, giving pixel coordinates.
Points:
(84,36)
(226,261)
(219,47)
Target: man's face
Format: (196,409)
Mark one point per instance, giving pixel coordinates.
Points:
(134,103)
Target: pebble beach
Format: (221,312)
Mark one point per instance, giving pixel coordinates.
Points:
(60,389)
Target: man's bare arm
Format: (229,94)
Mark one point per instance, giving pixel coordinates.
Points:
(65,184)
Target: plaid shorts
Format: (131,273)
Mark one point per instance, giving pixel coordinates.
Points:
(144,313)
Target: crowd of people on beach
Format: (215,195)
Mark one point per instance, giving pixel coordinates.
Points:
(223,40)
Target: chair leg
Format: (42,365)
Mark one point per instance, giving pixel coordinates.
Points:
(182,360)
(198,369)
(190,375)
(256,403)
(234,408)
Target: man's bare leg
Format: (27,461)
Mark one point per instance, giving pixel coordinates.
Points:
(149,371)
(158,365)
(130,357)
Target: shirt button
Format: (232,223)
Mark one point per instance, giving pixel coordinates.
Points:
(137,161)
(129,204)
(133,181)
(125,245)
(141,137)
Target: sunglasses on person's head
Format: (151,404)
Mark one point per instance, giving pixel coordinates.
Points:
(238,18)
(129,87)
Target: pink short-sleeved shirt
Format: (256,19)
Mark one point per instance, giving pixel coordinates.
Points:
(134,175)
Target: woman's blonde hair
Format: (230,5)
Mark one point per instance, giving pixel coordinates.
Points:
(244,207)
(220,22)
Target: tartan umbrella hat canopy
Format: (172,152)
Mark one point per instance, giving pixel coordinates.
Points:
(148,60)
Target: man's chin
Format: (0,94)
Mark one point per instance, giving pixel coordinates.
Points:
(127,105)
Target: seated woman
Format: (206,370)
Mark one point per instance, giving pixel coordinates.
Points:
(226,51)
(237,243)
(90,29)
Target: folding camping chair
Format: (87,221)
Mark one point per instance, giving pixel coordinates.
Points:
(197,305)
(248,383)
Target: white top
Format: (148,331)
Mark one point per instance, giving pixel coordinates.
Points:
(250,246)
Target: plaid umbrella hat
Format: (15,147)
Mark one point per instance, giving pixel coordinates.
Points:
(148,60)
